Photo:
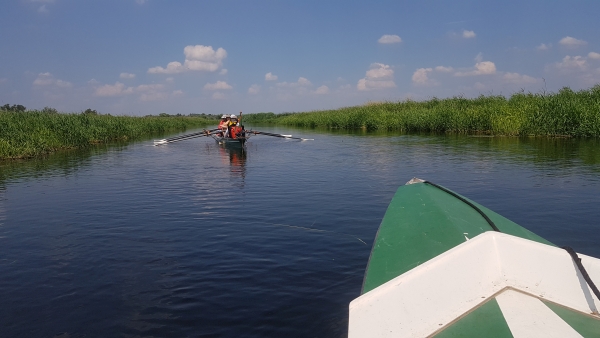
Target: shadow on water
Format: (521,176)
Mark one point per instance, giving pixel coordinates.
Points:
(61,163)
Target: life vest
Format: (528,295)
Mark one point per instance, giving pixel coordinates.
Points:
(235,131)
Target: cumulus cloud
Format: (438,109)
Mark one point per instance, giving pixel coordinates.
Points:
(481,68)
(270,77)
(421,76)
(223,71)
(219,85)
(518,78)
(302,82)
(443,69)
(147,92)
(46,79)
(389,39)
(571,42)
(544,46)
(468,34)
(127,76)
(254,89)
(197,58)
(594,56)
(117,89)
(292,90)
(218,96)
(379,76)
(322,90)
(572,63)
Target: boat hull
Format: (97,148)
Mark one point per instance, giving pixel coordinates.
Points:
(445,266)
(239,142)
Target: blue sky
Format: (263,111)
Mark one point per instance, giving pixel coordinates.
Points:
(138,57)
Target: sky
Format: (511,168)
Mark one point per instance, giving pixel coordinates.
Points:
(140,57)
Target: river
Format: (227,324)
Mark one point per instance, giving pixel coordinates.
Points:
(194,240)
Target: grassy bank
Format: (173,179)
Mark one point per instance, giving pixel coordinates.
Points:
(31,133)
(566,113)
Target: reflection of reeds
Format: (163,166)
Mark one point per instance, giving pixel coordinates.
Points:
(566,113)
(32,133)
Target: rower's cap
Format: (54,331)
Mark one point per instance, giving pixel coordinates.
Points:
(224,116)
(233,116)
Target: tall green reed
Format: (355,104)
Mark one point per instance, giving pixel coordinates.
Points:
(565,113)
(32,133)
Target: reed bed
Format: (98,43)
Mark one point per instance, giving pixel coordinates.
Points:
(26,134)
(565,113)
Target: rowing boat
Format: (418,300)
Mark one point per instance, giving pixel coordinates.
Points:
(444,266)
(231,142)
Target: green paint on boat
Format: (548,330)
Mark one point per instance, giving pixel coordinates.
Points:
(485,321)
(422,222)
(585,325)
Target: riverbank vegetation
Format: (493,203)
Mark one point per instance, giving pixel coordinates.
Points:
(29,133)
(565,113)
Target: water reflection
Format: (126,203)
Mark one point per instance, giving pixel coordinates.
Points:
(235,158)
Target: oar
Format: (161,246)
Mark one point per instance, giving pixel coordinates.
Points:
(185,137)
(283,136)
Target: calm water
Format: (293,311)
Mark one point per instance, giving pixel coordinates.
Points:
(190,239)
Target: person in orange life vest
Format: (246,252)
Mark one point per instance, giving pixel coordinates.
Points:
(232,126)
(223,125)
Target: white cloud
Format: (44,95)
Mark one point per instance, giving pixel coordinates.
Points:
(468,34)
(421,77)
(93,82)
(379,76)
(481,68)
(571,42)
(46,79)
(197,58)
(518,78)
(594,56)
(218,96)
(169,80)
(270,77)
(127,76)
(388,39)
(544,46)
(479,57)
(302,82)
(117,89)
(443,69)
(148,92)
(254,89)
(572,63)
(177,93)
(219,85)
(154,96)
(322,90)
(223,71)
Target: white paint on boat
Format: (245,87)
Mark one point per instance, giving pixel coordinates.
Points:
(439,291)
(528,316)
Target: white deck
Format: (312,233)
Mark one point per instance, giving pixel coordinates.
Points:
(436,293)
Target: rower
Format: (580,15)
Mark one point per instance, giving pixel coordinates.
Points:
(223,124)
(231,123)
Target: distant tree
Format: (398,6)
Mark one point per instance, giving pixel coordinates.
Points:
(49,110)
(89,111)
(164,115)
(14,107)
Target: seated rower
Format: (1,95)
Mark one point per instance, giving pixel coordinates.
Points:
(223,125)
